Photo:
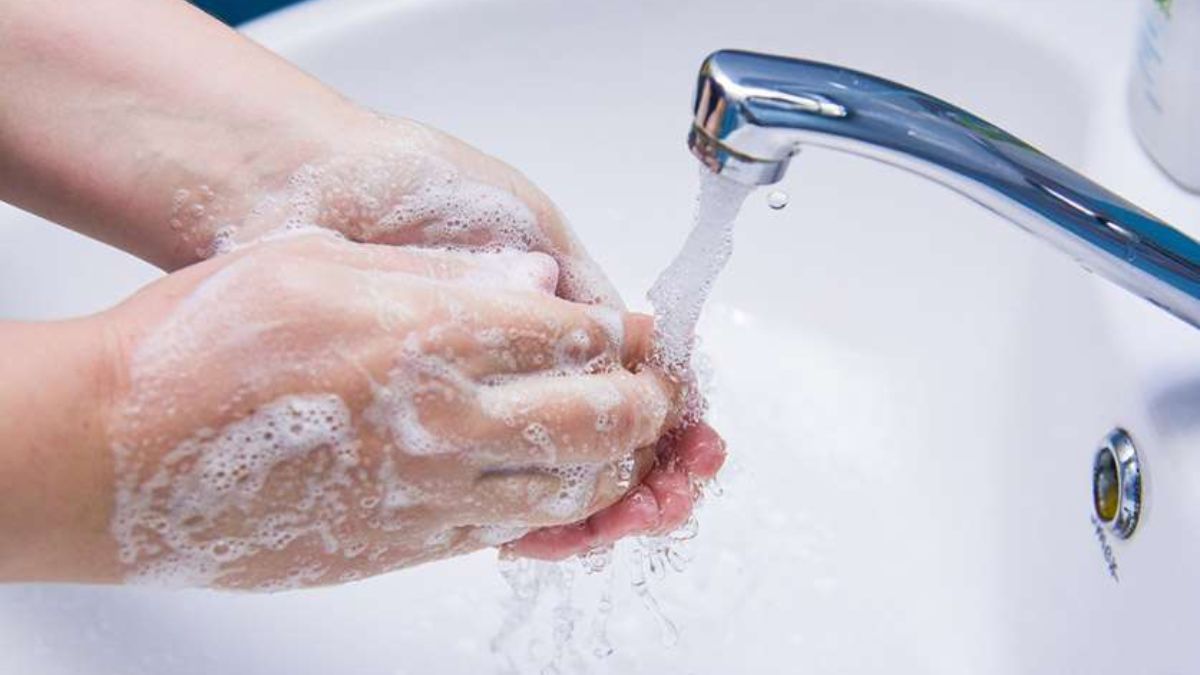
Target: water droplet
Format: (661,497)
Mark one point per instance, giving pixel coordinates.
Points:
(777,199)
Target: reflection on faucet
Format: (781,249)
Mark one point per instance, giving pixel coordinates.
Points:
(754,111)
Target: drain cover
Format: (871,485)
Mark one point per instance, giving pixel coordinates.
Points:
(1117,483)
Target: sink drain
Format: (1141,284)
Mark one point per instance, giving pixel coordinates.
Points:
(1117,484)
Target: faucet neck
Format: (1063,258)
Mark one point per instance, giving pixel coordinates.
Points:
(754,111)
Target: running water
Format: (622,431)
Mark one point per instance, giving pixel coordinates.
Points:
(679,294)
(543,592)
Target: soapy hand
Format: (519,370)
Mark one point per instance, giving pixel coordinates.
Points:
(309,410)
(402,183)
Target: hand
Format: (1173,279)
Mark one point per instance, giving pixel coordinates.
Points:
(310,410)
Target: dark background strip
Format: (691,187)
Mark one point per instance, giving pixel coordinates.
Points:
(234,12)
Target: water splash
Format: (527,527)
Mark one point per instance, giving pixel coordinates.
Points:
(640,562)
(601,645)
(541,593)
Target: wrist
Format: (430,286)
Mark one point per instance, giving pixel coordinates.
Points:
(55,464)
(109,139)
(212,192)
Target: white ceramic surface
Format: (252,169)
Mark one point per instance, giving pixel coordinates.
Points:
(909,483)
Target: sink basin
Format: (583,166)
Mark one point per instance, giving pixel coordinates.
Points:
(911,428)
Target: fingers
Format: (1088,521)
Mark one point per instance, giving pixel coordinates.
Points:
(506,320)
(661,503)
(516,333)
(587,418)
(505,269)
(549,496)
(491,314)
(616,480)
(581,279)
(525,496)
(699,451)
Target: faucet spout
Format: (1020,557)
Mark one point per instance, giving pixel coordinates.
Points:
(754,111)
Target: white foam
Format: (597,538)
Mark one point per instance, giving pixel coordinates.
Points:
(503,533)
(397,194)
(398,190)
(605,401)
(576,488)
(163,522)
(396,405)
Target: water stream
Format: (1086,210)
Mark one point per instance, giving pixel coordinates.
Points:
(545,594)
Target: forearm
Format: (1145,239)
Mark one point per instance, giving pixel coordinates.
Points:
(55,466)
(123,118)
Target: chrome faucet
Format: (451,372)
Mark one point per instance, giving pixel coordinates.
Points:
(753,112)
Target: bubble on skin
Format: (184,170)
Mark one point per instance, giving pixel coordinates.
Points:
(492,338)
(290,229)
(399,496)
(398,191)
(605,400)
(581,279)
(499,534)
(576,488)
(391,314)
(404,196)
(572,351)
(396,406)
(201,222)
(161,522)
(510,269)
(611,321)
(537,435)
(218,316)
(455,209)
(605,422)
(223,240)
(439,539)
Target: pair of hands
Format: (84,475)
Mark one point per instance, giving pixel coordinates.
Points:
(309,410)
(377,346)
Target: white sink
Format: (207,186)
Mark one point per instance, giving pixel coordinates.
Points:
(911,388)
